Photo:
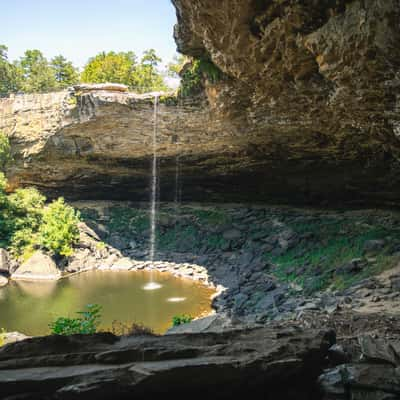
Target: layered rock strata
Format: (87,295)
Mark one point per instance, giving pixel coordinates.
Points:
(279,362)
(312,86)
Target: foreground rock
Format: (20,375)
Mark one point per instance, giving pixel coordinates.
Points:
(12,337)
(280,362)
(373,373)
(38,267)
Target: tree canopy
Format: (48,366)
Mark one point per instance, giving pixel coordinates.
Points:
(9,82)
(123,68)
(33,72)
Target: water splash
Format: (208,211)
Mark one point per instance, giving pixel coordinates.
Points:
(152,285)
(176,299)
(154,179)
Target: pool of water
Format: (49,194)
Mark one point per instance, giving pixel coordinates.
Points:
(29,307)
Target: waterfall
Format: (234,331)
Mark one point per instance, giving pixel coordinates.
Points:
(153,200)
(154,179)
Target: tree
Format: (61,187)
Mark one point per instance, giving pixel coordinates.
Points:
(110,67)
(150,58)
(9,79)
(147,77)
(64,71)
(174,68)
(38,75)
(123,68)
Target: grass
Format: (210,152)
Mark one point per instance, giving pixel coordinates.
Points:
(330,244)
(126,220)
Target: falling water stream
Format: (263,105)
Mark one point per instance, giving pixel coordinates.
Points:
(154,179)
(152,285)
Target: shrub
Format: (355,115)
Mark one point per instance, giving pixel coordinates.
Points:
(59,229)
(22,218)
(195,72)
(86,324)
(181,319)
(5,154)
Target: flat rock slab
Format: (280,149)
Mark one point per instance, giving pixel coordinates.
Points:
(281,362)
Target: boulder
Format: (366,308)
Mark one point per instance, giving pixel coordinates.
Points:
(4,261)
(123,264)
(12,337)
(361,381)
(38,267)
(380,350)
(3,281)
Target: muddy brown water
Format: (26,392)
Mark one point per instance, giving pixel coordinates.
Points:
(29,307)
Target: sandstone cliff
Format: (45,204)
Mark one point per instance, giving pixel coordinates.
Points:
(308,111)
(314,87)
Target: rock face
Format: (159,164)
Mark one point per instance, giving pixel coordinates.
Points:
(311,85)
(308,111)
(98,143)
(278,362)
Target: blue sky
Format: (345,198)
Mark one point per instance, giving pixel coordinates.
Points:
(79,29)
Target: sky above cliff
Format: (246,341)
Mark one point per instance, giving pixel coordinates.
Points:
(79,29)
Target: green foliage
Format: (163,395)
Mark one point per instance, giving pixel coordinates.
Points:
(86,324)
(25,207)
(194,72)
(65,73)
(329,245)
(127,220)
(59,228)
(26,223)
(181,319)
(37,74)
(175,67)
(123,68)
(34,73)
(9,79)
(5,154)
(110,67)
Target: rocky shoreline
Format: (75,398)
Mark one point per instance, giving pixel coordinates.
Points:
(265,263)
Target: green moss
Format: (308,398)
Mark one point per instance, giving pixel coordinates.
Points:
(125,220)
